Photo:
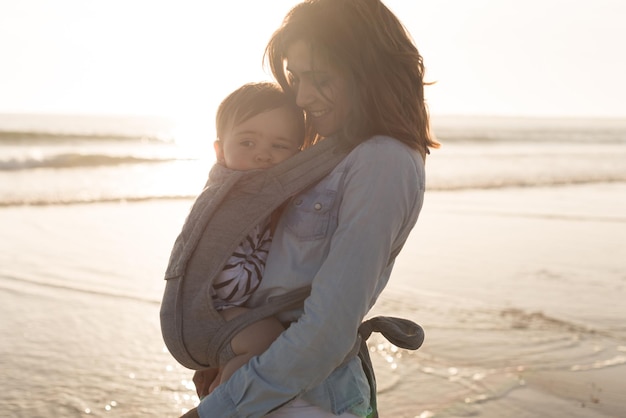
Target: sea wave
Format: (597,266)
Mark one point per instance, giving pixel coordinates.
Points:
(566,136)
(73,160)
(8,284)
(486,184)
(81,199)
(529,130)
(30,137)
(78,200)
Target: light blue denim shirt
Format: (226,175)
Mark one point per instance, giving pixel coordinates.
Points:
(338,237)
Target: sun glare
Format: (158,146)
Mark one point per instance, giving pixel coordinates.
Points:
(194,137)
(66,59)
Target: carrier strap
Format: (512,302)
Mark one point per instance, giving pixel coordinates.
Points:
(398,331)
(220,342)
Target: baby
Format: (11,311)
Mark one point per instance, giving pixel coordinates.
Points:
(257,126)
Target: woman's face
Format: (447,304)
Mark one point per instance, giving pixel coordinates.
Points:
(320,90)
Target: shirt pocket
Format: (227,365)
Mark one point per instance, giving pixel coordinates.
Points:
(309,215)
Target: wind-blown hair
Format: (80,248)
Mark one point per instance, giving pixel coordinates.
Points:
(367,44)
(252,99)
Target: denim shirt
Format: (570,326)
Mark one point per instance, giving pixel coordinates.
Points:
(337,237)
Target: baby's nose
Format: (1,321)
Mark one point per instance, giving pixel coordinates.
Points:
(264,156)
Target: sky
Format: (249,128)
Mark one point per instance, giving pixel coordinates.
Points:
(179,58)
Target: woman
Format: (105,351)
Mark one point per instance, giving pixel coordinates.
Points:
(353,68)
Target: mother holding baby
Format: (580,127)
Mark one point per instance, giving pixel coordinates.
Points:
(353,68)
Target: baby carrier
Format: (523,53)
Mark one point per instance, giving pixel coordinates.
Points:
(230,205)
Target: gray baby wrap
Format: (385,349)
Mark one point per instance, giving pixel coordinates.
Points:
(231,204)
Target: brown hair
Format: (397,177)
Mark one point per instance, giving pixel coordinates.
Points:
(252,99)
(371,48)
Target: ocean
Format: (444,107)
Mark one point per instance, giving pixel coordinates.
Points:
(516,269)
(57,159)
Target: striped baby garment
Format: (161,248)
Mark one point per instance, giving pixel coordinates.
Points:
(243,271)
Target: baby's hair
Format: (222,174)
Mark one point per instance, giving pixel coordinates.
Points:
(250,100)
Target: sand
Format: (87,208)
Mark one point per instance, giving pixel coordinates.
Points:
(520,292)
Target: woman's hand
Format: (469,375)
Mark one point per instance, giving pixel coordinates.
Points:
(203,380)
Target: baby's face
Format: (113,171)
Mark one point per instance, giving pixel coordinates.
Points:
(262,141)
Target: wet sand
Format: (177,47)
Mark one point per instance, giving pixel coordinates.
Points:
(519,290)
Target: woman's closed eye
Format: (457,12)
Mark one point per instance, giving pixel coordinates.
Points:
(292,79)
(318,79)
(321,82)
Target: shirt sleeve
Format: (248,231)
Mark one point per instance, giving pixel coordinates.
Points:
(381,199)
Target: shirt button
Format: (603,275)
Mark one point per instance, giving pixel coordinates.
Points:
(317,206)
(298,202)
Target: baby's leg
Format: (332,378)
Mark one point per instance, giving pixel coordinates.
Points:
(250,341)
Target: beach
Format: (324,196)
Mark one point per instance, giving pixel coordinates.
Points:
(520,293)
(518,279)
(525,321)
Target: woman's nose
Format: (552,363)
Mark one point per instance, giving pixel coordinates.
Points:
(304,94)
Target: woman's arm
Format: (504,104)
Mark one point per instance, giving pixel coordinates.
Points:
(380,199)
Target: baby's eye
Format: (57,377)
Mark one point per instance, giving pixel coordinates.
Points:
(282,146)
(246,143)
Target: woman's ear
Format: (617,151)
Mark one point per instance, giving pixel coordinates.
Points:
(219,150)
